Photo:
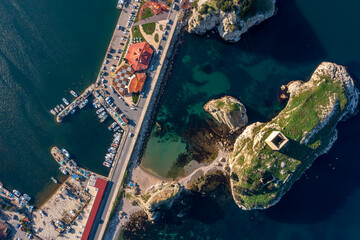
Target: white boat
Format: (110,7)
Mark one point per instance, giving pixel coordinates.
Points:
(62,106)
(16,193)
(103,118)
(63,170)
(53,112)
(54,180)
(72,111)
(26,198)
(83,103)
(100,110)
(106,164)
(65,101)
(56,110)
(65,152)
(73,93)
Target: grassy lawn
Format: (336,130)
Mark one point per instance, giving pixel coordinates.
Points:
(135,97)
(156,38)
(137,15)
(149,28)
(148,12)
(135,33)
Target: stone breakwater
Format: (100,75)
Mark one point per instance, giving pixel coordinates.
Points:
(150,118)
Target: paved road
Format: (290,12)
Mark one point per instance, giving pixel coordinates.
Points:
(135,117)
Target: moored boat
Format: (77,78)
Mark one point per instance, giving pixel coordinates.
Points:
(106,164)
(58,108)
(73,93)
(65,101)
(62,106)
(54,180)
(53,112)
(65,152)
(103,118)
(16,193)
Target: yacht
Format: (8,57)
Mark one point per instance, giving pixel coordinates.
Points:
(83,103)
(58,108)
(26,198)
(116,129)
(73,93)
(16,193)
(100,110)
(66,153)
(62,107)
(53,112)
(65,101)
(72,111)
(103,118)
(54,180)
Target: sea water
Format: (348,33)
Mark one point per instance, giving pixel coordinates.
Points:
(323,204)
(48,47)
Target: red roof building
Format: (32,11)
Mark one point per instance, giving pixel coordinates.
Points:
(100,185)
(139,55)
(136,83)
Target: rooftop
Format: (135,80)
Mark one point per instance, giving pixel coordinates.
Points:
(139,56)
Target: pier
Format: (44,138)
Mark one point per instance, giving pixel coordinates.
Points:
(69,166)
(77,102)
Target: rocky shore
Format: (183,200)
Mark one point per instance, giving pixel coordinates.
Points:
(231,20)
(260,174)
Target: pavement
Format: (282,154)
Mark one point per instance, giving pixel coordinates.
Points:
(135,117)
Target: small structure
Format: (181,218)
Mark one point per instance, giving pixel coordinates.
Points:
(139,55)
(276,140)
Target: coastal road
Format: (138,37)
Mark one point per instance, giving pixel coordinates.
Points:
(136,118)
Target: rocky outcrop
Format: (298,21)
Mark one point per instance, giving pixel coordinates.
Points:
(158,197)
(228,110)
(232,24)
(260,176)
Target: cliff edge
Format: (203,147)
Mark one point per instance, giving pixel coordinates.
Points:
(269,157)
(228,110)
(231,17)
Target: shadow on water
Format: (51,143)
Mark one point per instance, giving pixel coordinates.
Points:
(326,186)
(294,42)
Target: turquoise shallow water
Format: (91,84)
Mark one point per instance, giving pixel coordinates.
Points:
(47,48)
(289,46)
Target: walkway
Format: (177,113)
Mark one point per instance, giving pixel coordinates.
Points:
(155,18)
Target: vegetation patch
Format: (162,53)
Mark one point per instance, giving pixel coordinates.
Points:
(148,12)
(149,28)
(135,97)
(136,33)
(156,38)
(259,171)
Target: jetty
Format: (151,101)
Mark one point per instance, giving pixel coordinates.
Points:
(69,166)
(77,102)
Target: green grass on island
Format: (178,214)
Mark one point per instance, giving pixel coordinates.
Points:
(227,106)
(259,174)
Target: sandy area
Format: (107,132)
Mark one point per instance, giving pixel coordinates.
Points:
(144,179)
(65,206)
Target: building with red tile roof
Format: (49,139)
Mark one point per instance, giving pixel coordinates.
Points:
(137,82)
(101,186)
(139,55)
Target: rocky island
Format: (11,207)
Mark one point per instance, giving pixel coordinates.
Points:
(269,157)
(232,18)
(228,110)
